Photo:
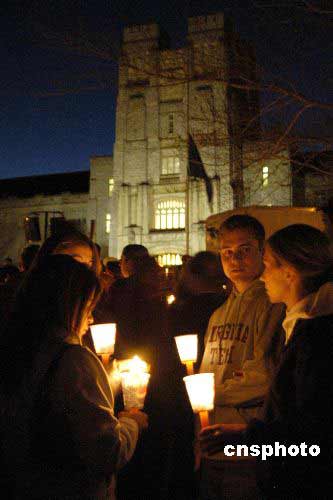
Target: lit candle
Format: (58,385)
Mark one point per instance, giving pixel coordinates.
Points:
(134,383)
(170,299)
(187,346)
(104,337)
(201,392)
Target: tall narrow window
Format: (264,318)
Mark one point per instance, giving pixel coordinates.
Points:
(170,214)
(265,173)
(108,223)
(170,124)
(170,165)
(111,186)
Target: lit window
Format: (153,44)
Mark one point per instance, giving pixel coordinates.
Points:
(169,259)
(170,124)
(170,215)
(111,185)
(170,165)
(108,223)
(265,176)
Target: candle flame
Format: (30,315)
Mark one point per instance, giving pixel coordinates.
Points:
(171,299)
(133,365)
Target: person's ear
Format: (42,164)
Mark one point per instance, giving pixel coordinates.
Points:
(290,274)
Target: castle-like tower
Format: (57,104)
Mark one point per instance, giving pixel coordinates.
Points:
(164,95)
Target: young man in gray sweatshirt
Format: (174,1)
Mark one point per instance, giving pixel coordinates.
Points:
(244,335)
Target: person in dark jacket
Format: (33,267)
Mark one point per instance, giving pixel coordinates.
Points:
(204,289)
(160,469)
(60,437)
(298,410)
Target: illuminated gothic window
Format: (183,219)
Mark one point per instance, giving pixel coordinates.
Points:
(169,259)
(170,165)
(170,214)
(265,173)
(108,223)
(111,185)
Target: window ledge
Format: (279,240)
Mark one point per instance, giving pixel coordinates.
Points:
(169,178)
(176,230)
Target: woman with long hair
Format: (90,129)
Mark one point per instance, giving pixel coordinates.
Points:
(60,438)
(69,241)
(298,410)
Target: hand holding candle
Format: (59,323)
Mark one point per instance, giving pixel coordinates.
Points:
(201,392)
(187,346)
(104,337)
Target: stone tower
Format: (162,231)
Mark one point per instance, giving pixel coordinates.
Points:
(164,95)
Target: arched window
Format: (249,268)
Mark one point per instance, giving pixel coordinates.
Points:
(170,214)
(169,259)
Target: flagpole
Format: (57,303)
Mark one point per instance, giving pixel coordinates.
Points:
(187,185)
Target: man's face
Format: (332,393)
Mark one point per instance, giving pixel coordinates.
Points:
(241,256)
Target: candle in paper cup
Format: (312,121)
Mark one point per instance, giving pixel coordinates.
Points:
(187,346)
(134,383)
(104,337)
(201,391)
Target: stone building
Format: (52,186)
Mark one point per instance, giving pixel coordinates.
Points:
(39,195)
(82,197)
(312,179)
(144,193)
(164,95)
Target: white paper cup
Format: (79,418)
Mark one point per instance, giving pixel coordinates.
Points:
(201,391)
(134,386)
(104,337)
(187,346)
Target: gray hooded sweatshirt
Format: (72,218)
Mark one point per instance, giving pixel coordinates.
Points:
(237,342)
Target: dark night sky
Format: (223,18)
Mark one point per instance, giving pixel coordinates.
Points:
(59,74)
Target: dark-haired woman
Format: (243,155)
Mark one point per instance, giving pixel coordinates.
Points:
(69,241)
(298,411)
(60,438)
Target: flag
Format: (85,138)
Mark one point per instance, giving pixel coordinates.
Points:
(196,168)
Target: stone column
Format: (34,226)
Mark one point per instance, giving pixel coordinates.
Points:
(216,195)
(146,206)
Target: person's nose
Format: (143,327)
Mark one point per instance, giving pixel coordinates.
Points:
(236,256)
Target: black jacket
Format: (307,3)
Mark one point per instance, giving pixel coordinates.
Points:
(299,409)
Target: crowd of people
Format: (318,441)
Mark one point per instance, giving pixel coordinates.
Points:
(264,320)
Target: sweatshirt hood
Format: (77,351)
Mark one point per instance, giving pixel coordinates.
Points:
(319,303)
(252,291)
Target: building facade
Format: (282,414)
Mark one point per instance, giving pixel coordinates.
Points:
(166,95)
(144,193)
(45,197)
